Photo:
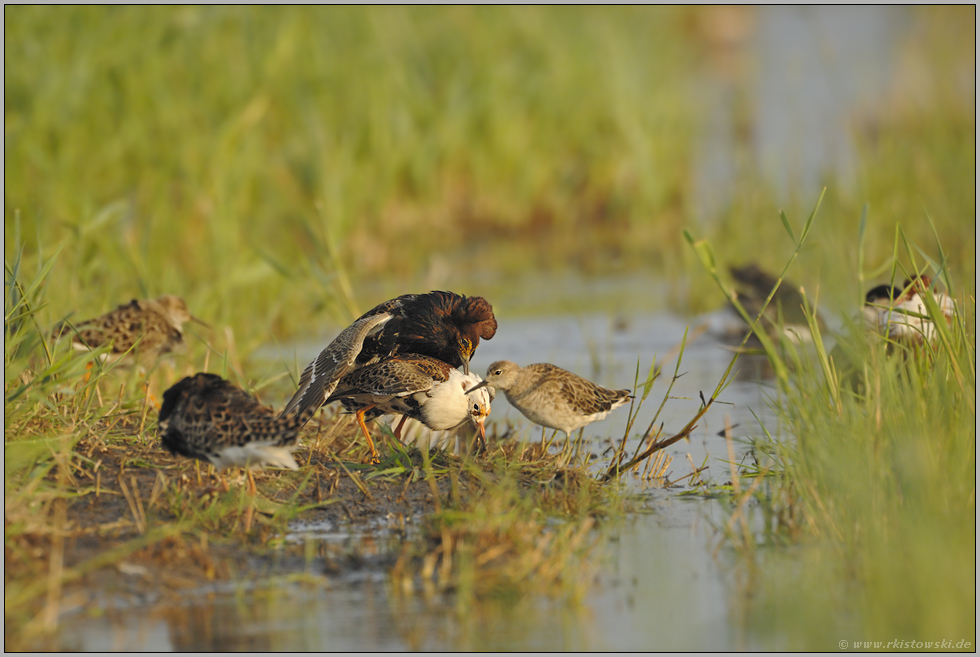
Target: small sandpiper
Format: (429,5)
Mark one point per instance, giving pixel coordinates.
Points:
(553,397)
(418,387)
(141,330)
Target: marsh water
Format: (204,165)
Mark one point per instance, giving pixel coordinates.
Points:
(663,580)
(661,583)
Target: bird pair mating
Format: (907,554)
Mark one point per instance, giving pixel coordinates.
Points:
(400,357)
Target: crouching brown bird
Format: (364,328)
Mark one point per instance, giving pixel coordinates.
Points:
(141,330)
(442,325)
(207,418)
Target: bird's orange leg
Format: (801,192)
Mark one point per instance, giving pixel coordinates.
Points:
(398,429)
(251,501)
(360,420)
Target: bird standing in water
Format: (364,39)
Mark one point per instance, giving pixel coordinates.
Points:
(785,313)
(553,397)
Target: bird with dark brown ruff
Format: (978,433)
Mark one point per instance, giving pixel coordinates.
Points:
(442,325)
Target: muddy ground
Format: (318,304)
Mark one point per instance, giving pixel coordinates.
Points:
(144,527)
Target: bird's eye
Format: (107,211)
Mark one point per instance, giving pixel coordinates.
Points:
(476,407)
(496,372)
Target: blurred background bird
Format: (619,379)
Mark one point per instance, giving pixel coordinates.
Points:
(784,316)
(139,331)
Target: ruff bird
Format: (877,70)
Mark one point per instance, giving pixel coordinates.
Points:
(785,314)
(207,418)
(553,397)
(418,387)
(441,325)
(901,314)
(141,330)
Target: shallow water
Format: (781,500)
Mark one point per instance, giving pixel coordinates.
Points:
(660,586)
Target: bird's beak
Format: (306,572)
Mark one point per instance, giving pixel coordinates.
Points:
(483,434)
(481,384)
(466,365)
(201,322)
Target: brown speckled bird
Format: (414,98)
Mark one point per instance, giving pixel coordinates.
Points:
(442,325)
(207,418)
(553,397)
(141,330)
(418,387)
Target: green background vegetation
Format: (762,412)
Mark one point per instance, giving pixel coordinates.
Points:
(219,153)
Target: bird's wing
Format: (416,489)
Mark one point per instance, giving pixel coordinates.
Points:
(396,377)
(589,398)
(320,377)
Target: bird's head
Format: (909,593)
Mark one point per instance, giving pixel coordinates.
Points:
(176,311)
(473,319)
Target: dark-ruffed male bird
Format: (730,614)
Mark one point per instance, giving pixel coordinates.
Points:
(141,330)
(441,325)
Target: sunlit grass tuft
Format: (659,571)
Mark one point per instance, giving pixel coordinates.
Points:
(874,485)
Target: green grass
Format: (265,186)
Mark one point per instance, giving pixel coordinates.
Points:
(245,158)
(871,494)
